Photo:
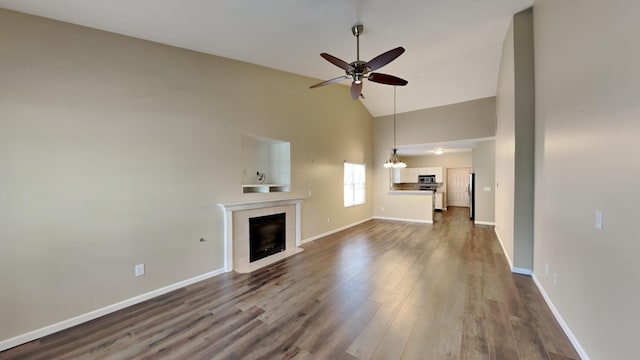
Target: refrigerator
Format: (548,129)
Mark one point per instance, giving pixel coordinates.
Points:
(472,196)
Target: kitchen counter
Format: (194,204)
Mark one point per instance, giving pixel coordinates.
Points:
(408,205)
(410,192)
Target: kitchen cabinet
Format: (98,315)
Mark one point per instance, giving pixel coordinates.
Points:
(405,175)
(410,175)
(439,201)
(437,171)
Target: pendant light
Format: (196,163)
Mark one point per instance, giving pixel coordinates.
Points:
(393,161)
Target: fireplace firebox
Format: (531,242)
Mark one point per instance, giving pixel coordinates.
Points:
(266,236)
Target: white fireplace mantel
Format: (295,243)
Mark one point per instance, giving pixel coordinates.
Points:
(231,207)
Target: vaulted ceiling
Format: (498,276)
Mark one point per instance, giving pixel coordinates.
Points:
(452,47)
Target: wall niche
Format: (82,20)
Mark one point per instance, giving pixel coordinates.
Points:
(266,165)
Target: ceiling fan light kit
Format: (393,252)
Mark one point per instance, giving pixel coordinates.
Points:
(359,70)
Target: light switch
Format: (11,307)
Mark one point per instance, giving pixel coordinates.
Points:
(139,270)
(598,219)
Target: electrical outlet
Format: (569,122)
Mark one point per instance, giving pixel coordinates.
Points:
(487,188)
(328,220)
(309,193)
(555,279)
(598,220)
(382,208)
(139,270)
(546,268)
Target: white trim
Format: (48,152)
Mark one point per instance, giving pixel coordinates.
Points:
(230,207)
(515,270)
(504,251)
(484,223)
(298,224)
(256,204)
(405,220)
(316,237)
(77,320)
(563,324)
(521,271)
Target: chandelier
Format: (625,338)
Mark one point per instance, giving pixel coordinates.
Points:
(393,161)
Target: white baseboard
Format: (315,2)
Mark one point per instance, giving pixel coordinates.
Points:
(484,223)
(77,320)
(515,270)
(521,271)
(563,324)
(556,314)
(405,220)
(316,237)
(504,251)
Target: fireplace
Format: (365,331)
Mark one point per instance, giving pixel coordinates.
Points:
(237,229)
(266,236)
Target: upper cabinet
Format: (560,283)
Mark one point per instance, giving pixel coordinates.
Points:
(410,175)
(405,175)
(437,171)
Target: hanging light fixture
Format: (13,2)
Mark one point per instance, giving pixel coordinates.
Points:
(393,161)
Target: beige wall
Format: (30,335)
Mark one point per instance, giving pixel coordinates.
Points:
(514,144)
(484,155)
(505,147)
(469,120)
(451,160)
(466,120)
(524,140)
(115,151)
(587,124)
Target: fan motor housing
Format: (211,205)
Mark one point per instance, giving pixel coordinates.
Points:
(361,67)
(357,30)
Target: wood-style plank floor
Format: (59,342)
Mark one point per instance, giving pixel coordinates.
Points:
(379,290)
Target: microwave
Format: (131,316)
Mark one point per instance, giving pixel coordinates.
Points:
(426,179)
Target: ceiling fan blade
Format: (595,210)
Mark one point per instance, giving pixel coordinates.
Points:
(356,89)
(385,58)
(387,79)
(339,78)
(337,62)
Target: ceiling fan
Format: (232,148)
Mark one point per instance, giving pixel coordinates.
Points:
(359,70)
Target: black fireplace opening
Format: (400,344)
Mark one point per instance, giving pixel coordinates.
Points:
(266,236)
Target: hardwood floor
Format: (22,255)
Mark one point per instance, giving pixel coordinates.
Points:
(380,290)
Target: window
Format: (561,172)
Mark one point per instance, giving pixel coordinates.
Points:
(354,185)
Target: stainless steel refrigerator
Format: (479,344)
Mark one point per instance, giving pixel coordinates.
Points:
(472,196)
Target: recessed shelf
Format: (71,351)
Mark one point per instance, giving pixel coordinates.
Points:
(264,188)
(266,165)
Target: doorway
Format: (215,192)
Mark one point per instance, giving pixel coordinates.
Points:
(457,186)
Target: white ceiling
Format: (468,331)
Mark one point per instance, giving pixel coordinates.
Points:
(449,147)
(452,47)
